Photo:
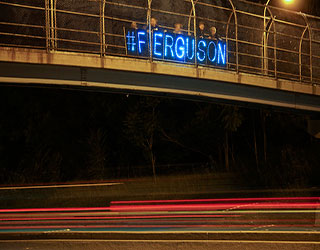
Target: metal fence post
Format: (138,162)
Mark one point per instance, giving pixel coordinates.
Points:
(150,32)
(190,15)
(102,28)
(55,25)
(194,30)
(310,45)
(52,24)
(300,53)
(47,25)
(275,48)
(236,30)
(265,40)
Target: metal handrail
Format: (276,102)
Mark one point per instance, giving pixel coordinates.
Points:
(310,47)
(149,3)
(24,25)
(22,5)
(21,35)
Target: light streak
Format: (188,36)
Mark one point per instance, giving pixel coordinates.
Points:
(218,200)
(225,214)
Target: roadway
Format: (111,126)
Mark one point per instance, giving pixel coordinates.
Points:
(233,214)
(208,223)
(192,242)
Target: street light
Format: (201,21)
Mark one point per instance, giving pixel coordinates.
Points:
(265,35)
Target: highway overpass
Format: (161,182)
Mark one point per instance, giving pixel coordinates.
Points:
(264,55)
(30,67)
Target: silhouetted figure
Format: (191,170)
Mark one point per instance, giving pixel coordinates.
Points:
(134,25)
(201,30)
(177,28)
(213,33)
(154,24)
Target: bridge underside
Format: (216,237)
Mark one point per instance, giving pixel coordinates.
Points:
(127,75)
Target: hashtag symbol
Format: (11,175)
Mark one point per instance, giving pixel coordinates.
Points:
(131,41)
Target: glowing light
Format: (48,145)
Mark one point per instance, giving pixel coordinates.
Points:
(222,53)
(288,1)
(201,54)
(131,41)
(180,50)
(220,200)
(215,51)
(168,45)
(150,214)
(157,44)
(141,41)
(192,49)
(20,210)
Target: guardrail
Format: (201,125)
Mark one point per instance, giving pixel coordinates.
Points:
(260,39)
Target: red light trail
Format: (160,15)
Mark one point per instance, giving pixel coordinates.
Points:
(211,214)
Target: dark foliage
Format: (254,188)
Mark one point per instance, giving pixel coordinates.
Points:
(49,135)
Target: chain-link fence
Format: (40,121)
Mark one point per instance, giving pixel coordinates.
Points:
(260,39)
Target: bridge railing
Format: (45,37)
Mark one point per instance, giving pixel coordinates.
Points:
(260,39)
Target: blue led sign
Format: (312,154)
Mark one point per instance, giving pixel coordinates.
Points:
(175,47)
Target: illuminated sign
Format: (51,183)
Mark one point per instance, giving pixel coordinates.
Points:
(175,47)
